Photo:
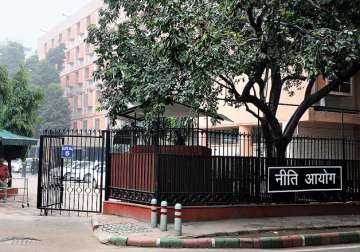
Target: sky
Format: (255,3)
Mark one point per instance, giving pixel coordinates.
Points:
(26,20)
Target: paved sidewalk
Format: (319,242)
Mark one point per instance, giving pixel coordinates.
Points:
(110,224)
(125,231)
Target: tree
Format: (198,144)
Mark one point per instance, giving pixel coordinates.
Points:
(12,54)
(46,71)
(41,72)
(56,57)
(3,86)
(18,111)
(20,105)
(241,53)
(54,111)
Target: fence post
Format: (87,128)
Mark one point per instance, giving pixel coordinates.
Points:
(153,213)
(108,164)
(157,166)
(39,186)
(163,216)
(177,221)
(344,171)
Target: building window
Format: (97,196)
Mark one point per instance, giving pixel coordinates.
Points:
(97,123)
(78,31)
(75,125)
(88,21)
(87,73)
(345,87)
(69,33)
(77,52)
(85,100)
(88,49)
(85,124)
(77,77)
(75,104)
(67,80)
(60,38)
(98,95)
(90,109)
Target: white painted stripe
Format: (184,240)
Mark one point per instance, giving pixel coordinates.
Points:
(337,248)
(213,243)
(303,240)
(158,242)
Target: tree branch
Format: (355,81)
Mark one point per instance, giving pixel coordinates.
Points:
(315,97)
(253,23)
(309,88)
(270,117)
(252,112)
(260,68)
(276,87)
(232,86)
(220,84)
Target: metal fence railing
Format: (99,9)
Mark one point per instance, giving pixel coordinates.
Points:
(198,167)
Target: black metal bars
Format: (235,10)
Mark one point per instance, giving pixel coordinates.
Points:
(199,167)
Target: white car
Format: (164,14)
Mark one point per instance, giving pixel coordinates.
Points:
(17,165)
(85,171)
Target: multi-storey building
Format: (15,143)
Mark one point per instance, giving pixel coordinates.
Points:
(80,88)
(77,76)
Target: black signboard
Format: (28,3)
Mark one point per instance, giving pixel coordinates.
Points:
(304,178)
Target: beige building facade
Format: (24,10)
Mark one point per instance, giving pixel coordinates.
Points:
(77,76)
(314,122)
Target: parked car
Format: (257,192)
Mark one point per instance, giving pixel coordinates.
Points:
(94,175)
(55,172)
(17,165)
(32,164)
(86,172)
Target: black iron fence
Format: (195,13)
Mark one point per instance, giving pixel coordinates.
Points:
(71,181)
(199,167)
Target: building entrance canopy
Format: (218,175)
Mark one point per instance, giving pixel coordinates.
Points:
(136,113)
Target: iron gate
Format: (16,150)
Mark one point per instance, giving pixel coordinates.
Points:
(71,171)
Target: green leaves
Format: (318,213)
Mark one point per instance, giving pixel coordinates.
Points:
(176,50)
(12,54)
(46,71)
(19,110)
(54,110)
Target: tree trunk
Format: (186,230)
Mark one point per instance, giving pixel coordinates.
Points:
(281,146)
(281,152)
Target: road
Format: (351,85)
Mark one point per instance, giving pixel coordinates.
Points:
(33,233)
